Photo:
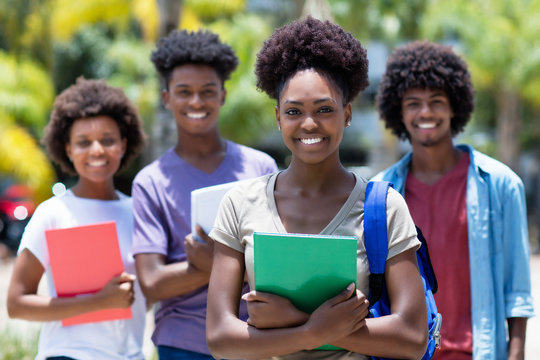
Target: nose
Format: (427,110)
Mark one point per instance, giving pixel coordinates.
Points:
(96,148)
(309,123)
(425,109)
(195,100)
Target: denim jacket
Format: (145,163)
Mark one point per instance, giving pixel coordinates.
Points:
(498,248)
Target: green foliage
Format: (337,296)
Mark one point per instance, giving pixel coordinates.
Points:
(82,55)
(212,9)
(123,61)
(14,346)
(248,114)
(131,69)
(70,16)
(25,29)
(389,20)
(26,92)
(499,38)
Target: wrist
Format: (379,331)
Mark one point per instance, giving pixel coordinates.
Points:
(310,340)
(298,318)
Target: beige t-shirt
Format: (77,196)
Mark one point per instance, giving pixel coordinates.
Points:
(251,207)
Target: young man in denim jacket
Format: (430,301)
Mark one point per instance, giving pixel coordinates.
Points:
(470,207)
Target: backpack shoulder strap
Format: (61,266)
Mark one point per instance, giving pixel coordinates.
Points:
(375,235)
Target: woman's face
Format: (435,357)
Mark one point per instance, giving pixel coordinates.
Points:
(96,148)
(312,117)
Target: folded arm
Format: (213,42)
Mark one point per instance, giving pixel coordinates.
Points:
(405,329)
(230,337)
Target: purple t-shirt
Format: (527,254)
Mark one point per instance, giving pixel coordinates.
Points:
(161,204)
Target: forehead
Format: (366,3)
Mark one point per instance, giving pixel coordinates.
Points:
(101,124)
(306,84)
(422,93)
(193,75)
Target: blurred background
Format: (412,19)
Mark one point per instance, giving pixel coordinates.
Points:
(46,44)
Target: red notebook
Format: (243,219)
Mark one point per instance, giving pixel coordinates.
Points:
(83,260)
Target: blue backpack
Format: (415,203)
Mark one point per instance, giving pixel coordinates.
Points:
(376,243)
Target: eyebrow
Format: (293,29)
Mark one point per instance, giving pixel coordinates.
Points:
(318,101)
(411,97)
(84,135)
(182,85)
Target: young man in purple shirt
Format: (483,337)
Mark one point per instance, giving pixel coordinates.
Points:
(173,268)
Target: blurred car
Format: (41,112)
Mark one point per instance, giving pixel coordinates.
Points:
(16,207)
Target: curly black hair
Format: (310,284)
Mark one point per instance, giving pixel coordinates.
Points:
(201,47)
(425,65)
(311,43)
(85,99)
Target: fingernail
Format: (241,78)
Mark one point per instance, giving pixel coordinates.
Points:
(350,287)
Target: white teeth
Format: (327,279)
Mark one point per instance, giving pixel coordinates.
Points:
(97,163)
(426,125)
(196,115)
(311,141)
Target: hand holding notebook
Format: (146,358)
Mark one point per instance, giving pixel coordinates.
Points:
(83,260)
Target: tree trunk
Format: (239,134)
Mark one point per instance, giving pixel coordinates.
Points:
(508,127)
(164,134)
(169,15)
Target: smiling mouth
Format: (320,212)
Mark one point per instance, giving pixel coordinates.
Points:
(196,115)
(428,125)
(311,141)
(97,163)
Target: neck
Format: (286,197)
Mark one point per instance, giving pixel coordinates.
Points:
(430,163)
(99,191)
(199,146)
(317,178)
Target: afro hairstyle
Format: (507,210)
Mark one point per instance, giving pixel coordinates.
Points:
(202,47)
(87,99)
(425,65)
(311,43)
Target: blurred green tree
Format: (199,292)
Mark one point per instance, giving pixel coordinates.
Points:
(248,113)
(25,29)
(26,94)
(389,21)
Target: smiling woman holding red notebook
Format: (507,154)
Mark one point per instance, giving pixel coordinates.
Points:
(81,240)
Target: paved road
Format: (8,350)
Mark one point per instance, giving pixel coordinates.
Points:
(25,327)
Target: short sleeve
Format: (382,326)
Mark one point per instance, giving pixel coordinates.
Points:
(227,224)
(149,231)
(33,237)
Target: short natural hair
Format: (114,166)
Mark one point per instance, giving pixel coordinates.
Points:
(311,43)
(425,65)
(87,99)
(202,47)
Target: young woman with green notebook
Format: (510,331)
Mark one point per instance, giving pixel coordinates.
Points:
(314,70)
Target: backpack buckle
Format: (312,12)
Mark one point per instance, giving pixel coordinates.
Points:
(437,331)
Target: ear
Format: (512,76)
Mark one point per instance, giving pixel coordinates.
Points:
(165,98)
(278,118)
(348,114)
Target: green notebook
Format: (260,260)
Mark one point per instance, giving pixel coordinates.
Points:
(306,269)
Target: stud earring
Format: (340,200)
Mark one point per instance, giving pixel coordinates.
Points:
(347,124)
(279,127)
